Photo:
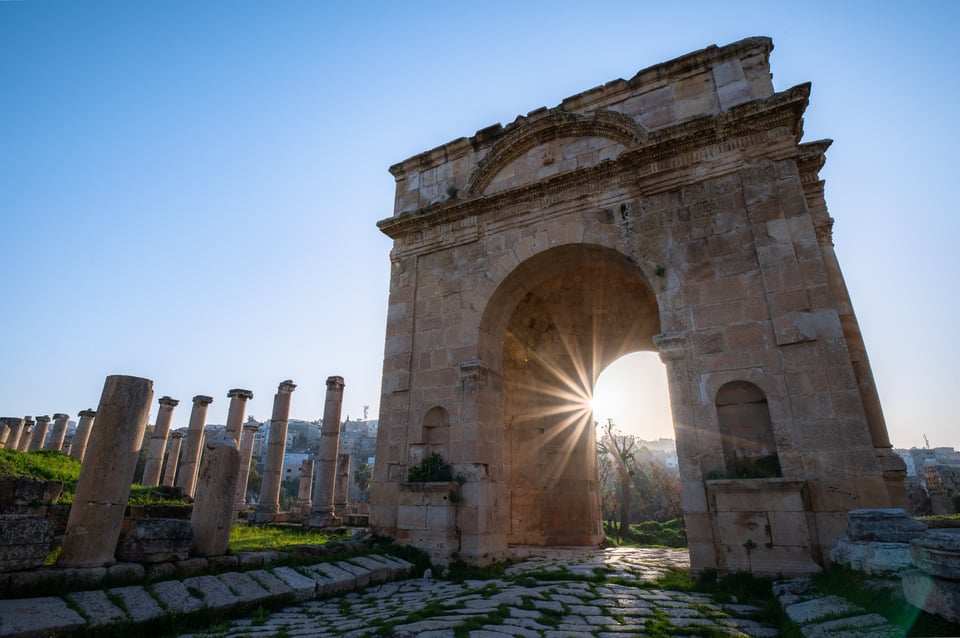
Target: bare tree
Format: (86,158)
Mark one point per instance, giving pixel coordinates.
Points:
(620,447)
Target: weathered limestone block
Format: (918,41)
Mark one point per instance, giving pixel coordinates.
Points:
(933,595)
(154,540)
(23,491)
(891,525)
(96,606)
(872,557)
(938,553)
(48,616)
(24,542)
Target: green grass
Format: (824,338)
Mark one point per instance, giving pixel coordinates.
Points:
(45,465)
(245,538)
(670,533)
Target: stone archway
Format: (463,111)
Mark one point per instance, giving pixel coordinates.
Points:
(677,211)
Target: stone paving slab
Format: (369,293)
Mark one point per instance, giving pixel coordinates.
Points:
(175,597)
(303,588)
(244,587)
(44,616)
(271,583)
(138,603)
(97,607)
(212,591)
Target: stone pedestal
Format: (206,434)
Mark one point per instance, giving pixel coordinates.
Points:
(158,442)
(188,468)
(213,505)
(877,541)
(276,446)
(322,513)
(173,458)
(40,433)
(246,455)
(78,448)
(59,432)
(15,426)
(105,476)
(26,434)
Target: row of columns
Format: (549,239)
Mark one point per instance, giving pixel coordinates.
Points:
(28,434)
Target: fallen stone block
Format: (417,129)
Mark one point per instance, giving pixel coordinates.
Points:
(342,581)
(865,626)
(938,553)
(934,595)
(273,584)
(362,575)
(96,606)
(28,617)
(139,605)
(816,609)
(174,595)
(884,525)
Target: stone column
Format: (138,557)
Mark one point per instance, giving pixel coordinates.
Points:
(4,434)
(213,506)
(246,455)
(59,431)
(269,503)
(26,434)
(322,514)
(306,485)
(188,469)
(173,457)
(79,446)
(158,443)
(341,500)
(103,487)
(15,425)
(40,433)
(238,403)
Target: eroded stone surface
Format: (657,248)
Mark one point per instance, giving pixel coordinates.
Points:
(24,541)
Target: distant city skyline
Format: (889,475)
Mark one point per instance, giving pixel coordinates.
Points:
(189,191)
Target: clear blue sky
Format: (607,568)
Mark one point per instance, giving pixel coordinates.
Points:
(189,190)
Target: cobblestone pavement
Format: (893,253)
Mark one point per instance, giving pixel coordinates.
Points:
(537,597)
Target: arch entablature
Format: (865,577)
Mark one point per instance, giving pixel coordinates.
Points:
(560,124)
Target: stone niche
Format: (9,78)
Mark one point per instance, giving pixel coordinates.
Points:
(676,212)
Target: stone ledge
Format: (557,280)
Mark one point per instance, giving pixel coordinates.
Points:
(136,604)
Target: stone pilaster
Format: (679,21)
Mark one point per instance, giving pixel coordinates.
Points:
(188,469)
(173,459)
(158,442)
(238,404)
(276,446)
(40,433)
(79,446)
(59,432)
(103,487)
(246,454)
(322,512)
(26,434)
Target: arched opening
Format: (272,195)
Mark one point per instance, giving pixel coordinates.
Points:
(633,392)
(746,431)
(434,436)
(560,318)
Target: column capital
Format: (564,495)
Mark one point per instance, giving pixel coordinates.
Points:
(335,383)
(286,387)
(28,420)
(176,435)
(60,415)
(90,413)
(43,419)
(251,427)
(168,402)
(202,399)
(238,393)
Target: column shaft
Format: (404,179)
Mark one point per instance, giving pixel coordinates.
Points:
(173,458)
(326,460)
(276,447)
(158,443)
(213,506)
(26,434)
(246,455)
(103,487)
(79,446)
(40,433)
(191,460)
(59,432)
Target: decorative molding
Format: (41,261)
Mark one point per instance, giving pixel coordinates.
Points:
(824,232)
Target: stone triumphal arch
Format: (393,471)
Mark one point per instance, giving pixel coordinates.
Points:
(676,212)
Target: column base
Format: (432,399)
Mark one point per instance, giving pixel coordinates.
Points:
(322,520)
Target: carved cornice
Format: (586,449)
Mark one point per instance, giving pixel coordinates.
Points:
(824,232)
(811,156)
(558,124)
(741,127)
